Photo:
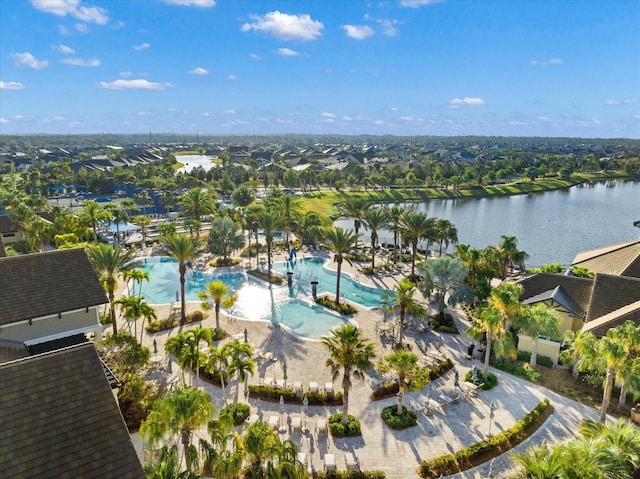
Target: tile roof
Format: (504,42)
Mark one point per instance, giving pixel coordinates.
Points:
(601,325)
(60,420)
(560,296)
(579,289)
(610,293)
(42,284)
(620,259)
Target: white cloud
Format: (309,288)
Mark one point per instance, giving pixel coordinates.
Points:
(284,121)
(347,118)
(79,62)
(255,56)
(287,52)
(144,113)
(589,122)
(27,60)
(73,8)
(546,119)
(142,46)
(286,27)
(624,101)
(389,27)
(192,3)
(407,118)
(81,27)
(517,123)
(134,85)
(199,71)
(546,63)
(358,32)
(62,30)
(125,74)
(3,120)
(11,85)
(18,117)
(60,48)
(58,118)
(229,112)
(231,77)
(328,115)
(394,108)
(457,102)
(418,3)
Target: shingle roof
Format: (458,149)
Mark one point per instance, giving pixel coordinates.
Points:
(610,293)
(60,420)
(579,289)
(41,284)
(560,296)
(620,259)
(601,325)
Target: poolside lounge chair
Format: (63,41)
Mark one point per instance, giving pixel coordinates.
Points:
(280,383)
(321,425)
(433,404)
(302,457)
(471,389)
(351,461)
(274,421)
(253,418)
(328,389)
(267,381)
(313,387)
(296,423)
(329,462)
(297,387)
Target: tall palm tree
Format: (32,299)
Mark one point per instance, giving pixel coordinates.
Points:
(416,226)
(375,219)
(506,299)
(478,268)
(137,276)
(133,308)
(401,299)
(271,222)
(183,248)
(406,368)
(395,215)
(577,342)
(218,361)
(142,222)
(118,216)
(92,214)
(620,436)
(110,261)
(252,217)
(537,320)
(341,242)
(289,207)
(196,203)
(354,207)
(488,321)
(510,254)
(240,363)
(443,280)
(185,346)
(445,233)
(225,237)
(221,295)
(629,334)
(352,353)
(178,413)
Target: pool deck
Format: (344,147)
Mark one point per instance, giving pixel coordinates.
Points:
(397,453)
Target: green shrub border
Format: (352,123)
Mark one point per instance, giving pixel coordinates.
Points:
(542,360)
(407,419)
(482,451)
(273,393)
(168,323)
(338,429)
(240,412)
(391,388)
(489,383)
(348,475)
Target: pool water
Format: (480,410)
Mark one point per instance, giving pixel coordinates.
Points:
(290,306)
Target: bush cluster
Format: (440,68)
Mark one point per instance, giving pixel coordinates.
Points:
(545,361)
(481,451)
(339,430)
(155,326)
(342,308)
(240,412)
(391,388)
(348,475)
(407,419)
(273,393)
(443,326)
(274,279)
(489,383)
(525,371)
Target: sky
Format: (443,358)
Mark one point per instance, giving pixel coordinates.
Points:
(393,67)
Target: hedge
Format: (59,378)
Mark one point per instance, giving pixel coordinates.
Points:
(391,388)
(489,383)
(273,393)
(407,419)
(542,360)
(339,430)
(240,412)
(155,326)
(348,475)
(482,451)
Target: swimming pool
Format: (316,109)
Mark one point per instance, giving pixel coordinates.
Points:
(290,306)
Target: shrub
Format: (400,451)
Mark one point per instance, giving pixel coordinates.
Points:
(339,430)
(273,393)
(489,383)
(477,453)
(342,308)
(221,262)
(545,361)
(274,279)
(407,419)
(391,388)
(525,371)
(348,475)
(240,412)
(195,317)
(443,326)
(160,325)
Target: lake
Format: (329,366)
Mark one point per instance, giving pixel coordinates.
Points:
(552,227)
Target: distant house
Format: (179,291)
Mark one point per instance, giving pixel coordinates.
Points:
(59,419)
(46,297)
(621,259)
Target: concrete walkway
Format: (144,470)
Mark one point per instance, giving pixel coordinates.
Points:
(397,453)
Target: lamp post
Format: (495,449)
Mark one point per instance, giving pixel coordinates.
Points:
(284,374)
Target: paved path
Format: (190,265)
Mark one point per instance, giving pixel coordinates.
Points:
(397,453)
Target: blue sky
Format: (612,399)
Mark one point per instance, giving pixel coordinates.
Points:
(399,67)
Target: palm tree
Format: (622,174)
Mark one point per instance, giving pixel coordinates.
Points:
(445,233)
(629,334)
(487,322)
(621,437)
(506,299)
(510,254)
(242,196)
(537,320)
(270,223)
(225,237)
(252,216)
(351,352)
(411,376)
(354,207)
(221,295)
(118,216)
(415,227)
(110,261)
(443,279)
(240,363)
(137,276)
(178,413)
(185,346)
(135,307)
(92,214)
(395,215)
(539,462)
(577,342)
(142,222)
(341,242)
(375,219)
(218,361)
(196,203)
(289,208)
(401,299)
(183,248)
